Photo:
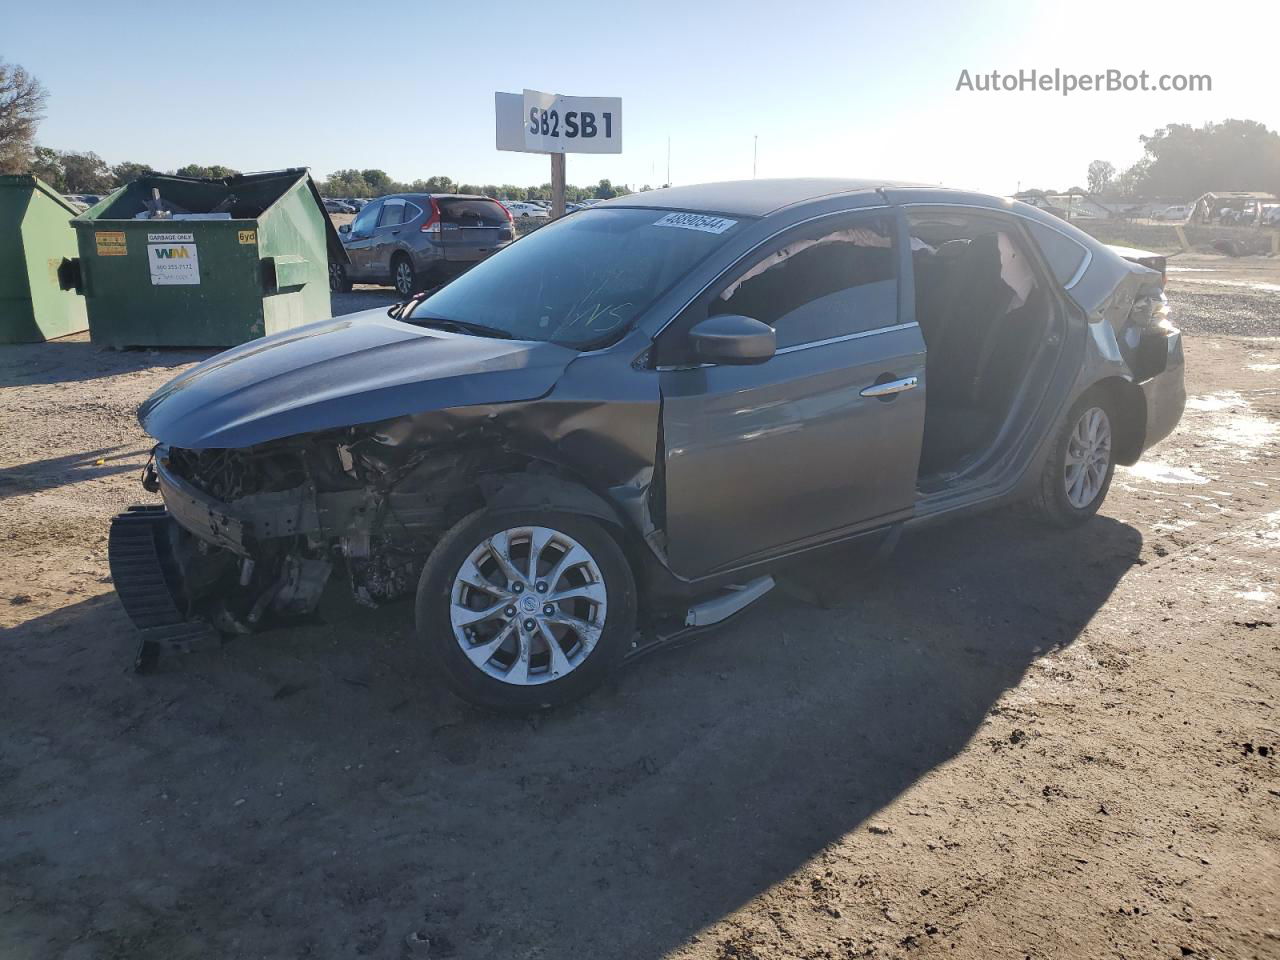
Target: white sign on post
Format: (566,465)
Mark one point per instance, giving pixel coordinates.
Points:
(540,122)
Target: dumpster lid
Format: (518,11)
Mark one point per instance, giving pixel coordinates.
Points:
(27,181)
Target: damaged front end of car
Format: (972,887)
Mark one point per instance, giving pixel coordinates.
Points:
(253,535)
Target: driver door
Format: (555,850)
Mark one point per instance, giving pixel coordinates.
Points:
(819,441)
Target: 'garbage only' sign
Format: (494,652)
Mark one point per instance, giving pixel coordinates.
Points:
(173,259)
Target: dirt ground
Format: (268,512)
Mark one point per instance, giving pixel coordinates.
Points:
(1007,742)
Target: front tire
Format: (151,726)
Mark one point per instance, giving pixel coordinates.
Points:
(1078,473)
(522,609)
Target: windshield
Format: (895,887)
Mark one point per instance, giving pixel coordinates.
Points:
(580,280)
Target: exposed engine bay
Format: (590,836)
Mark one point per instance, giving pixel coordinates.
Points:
(262,529)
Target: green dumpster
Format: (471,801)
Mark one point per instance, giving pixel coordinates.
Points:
(37,246)
(191,262)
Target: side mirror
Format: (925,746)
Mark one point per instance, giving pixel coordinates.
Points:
(732,339)
(345,228)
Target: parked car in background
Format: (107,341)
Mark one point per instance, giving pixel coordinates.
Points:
(606,438)
(76,201)
(1180,211)
(521,210)
(416,240)
(337,206)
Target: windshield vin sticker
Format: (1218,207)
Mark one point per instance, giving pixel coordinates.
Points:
(695,221)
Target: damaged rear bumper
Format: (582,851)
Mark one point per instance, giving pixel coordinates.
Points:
(1165,393)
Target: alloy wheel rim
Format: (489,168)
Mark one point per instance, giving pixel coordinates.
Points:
(335,276)
(404,278)
(1088,457)
(528,605)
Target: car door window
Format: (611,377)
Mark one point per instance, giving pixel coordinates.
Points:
(392,215)
(1063,254)
(362,226)
(820,283)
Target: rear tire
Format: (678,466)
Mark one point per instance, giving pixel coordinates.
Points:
(492,646)
(1078,473)
(403,275)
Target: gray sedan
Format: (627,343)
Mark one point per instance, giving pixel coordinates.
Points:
(605,438)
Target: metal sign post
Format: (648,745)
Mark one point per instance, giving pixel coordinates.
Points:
(537,122)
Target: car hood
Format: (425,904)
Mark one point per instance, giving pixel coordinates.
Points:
(356,369)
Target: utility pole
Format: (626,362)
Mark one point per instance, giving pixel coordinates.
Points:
(755,153)
(668,161)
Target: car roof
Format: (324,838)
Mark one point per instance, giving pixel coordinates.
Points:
(748,198)
(438,196)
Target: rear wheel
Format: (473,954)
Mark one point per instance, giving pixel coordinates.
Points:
(1078,473)
(403,277)
(525,609)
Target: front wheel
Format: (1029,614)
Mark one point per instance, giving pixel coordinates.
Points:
(1078,473)
(520,610)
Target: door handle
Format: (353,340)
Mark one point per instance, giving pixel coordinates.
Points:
(890,388)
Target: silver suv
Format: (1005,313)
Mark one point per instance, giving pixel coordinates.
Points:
(414,241)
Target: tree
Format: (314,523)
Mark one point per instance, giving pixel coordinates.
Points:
(46,163)
(441,185)
(346,183)
(129,171)
(1129,183)
(215,172)
(85,173)
(1101,173)
(604,190)
(1185,161)
(22,101)
(378,180)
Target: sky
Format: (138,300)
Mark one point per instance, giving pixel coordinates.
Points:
(828,88)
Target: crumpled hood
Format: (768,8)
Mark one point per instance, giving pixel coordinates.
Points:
(356,369)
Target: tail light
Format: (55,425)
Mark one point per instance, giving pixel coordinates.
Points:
(432,223)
